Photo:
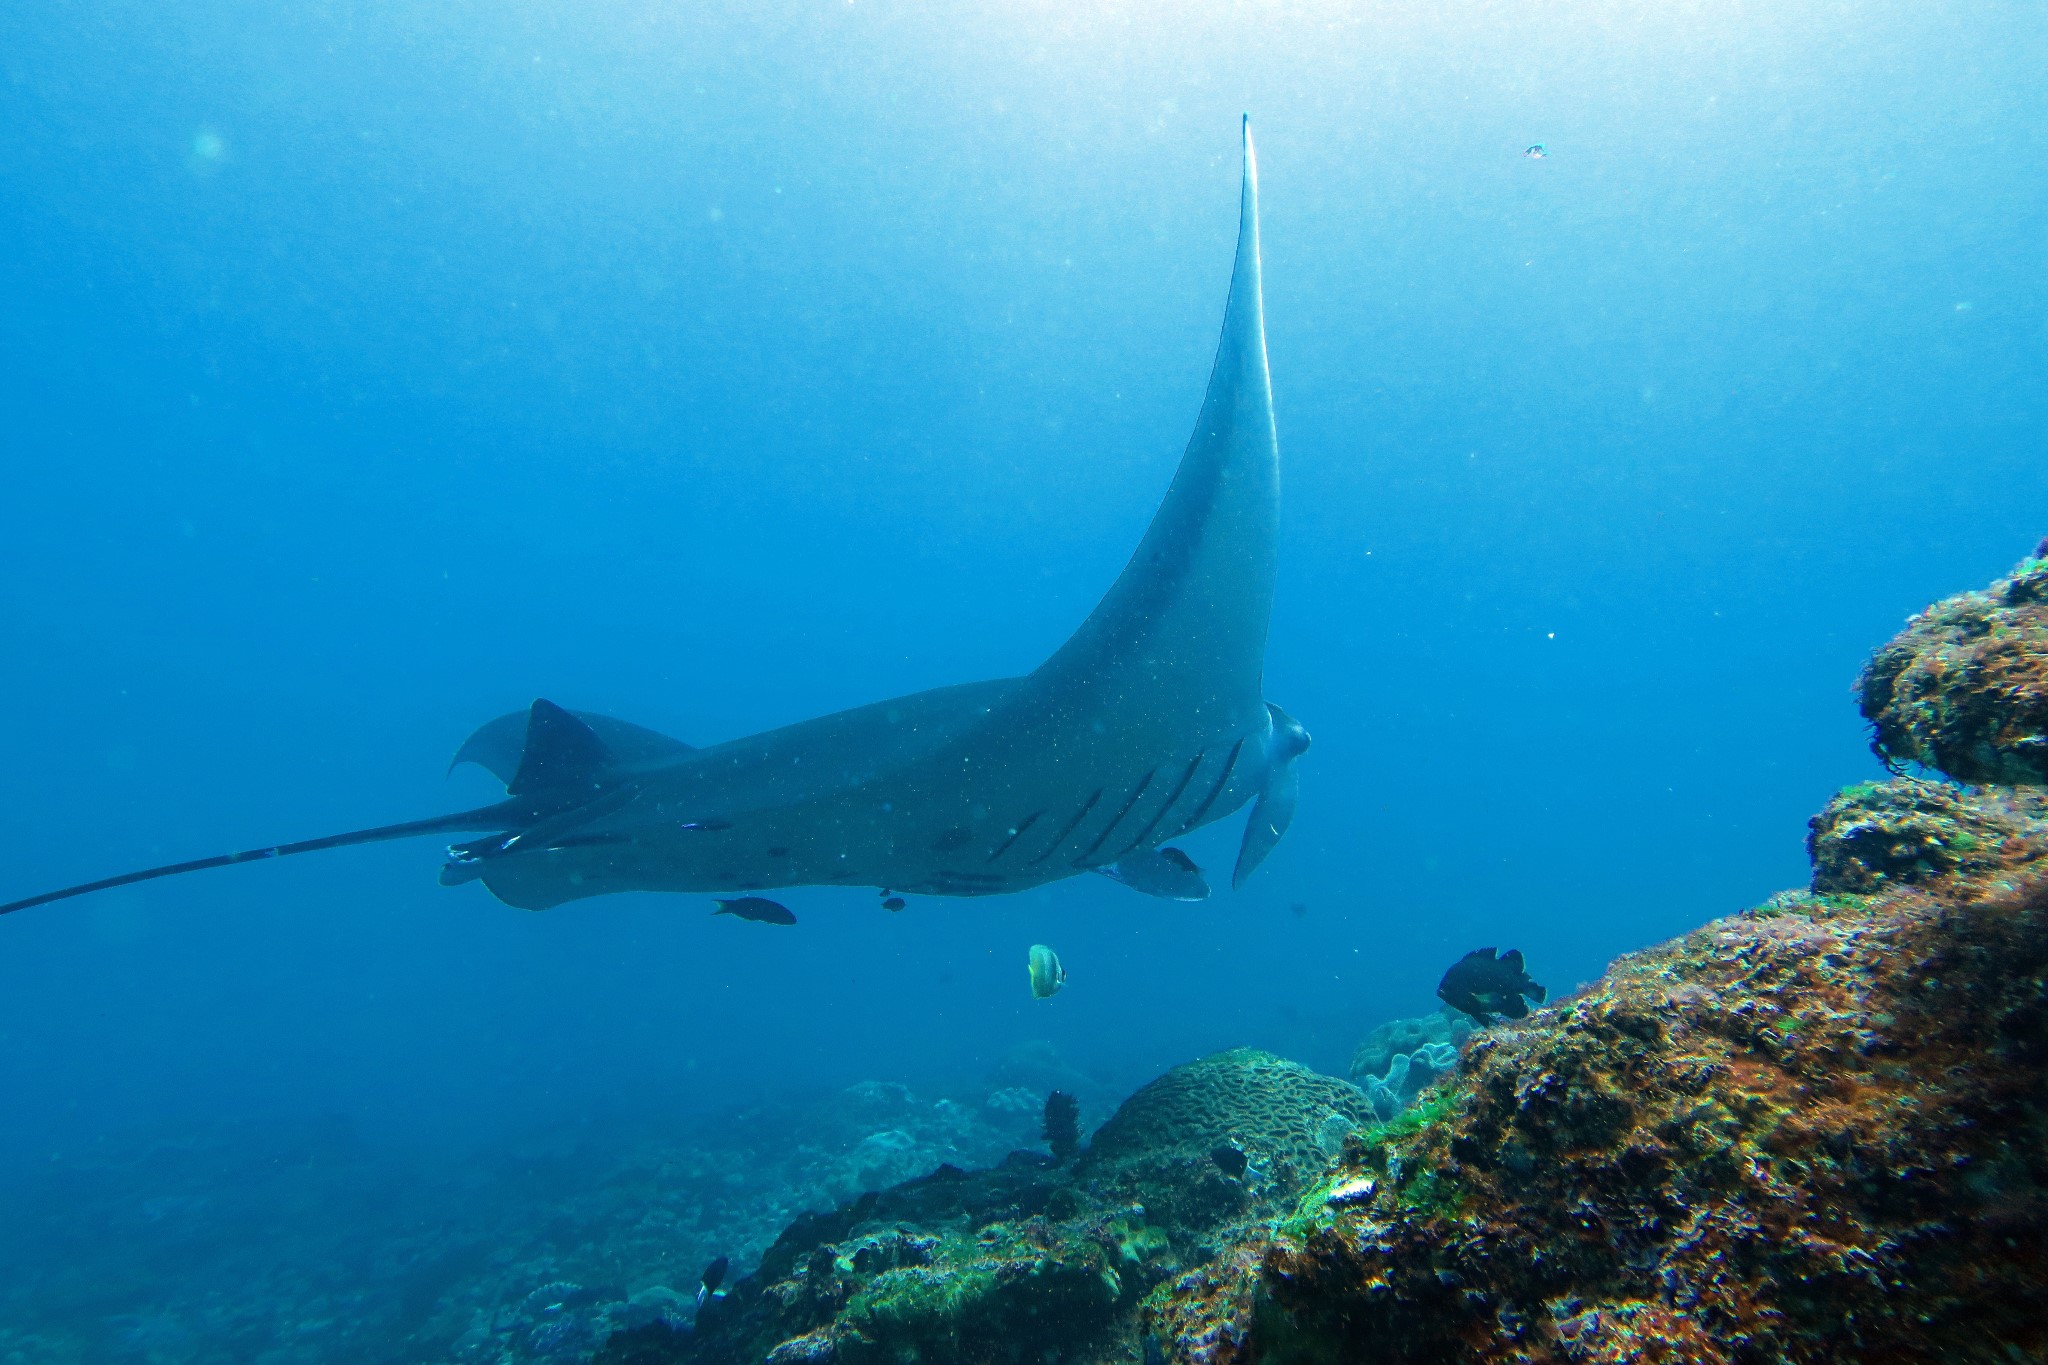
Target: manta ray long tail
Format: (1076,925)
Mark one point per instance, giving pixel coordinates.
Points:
(486,817)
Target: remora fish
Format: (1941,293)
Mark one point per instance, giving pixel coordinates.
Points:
(1150,722)
(759,909)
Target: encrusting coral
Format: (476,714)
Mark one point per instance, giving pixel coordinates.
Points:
(1811,1133)
(1964,688)
(1877,835)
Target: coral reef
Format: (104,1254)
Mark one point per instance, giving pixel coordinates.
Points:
(1397,1036)
(1404,1057)
(1009,1263)
(1964,688)
(1030,1261)
(1811,1132)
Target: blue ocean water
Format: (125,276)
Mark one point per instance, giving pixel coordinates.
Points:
(370,369)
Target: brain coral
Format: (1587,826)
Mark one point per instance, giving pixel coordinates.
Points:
(1964,688)
(1274,1109)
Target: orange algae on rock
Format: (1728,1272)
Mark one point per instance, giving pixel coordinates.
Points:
(1815,1132)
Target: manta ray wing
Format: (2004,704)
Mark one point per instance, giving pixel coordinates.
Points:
(781,808)
(1148,722)
(1151,719)
(1174,653)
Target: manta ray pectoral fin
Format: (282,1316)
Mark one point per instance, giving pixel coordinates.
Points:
(1163,872)
(1274,811)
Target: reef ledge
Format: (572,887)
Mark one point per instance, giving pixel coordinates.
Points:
(1810,1132)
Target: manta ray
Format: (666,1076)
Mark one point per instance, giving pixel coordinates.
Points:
(1149,722)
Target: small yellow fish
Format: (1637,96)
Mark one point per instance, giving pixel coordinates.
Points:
(1047,975)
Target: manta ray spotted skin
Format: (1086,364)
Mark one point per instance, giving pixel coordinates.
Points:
(1150,722)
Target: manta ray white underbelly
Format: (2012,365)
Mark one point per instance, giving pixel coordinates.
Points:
(1149,722)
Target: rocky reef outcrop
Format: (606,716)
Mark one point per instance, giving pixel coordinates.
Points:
(1909,831)
(1814,1132)
(1964,688)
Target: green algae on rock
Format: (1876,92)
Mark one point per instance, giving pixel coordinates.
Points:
(1964,688)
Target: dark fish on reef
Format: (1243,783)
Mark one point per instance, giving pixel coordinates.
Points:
(893,903)
(714,1276)
(1484,985)
(759,909)
(1230,1160)
(1062,1126)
